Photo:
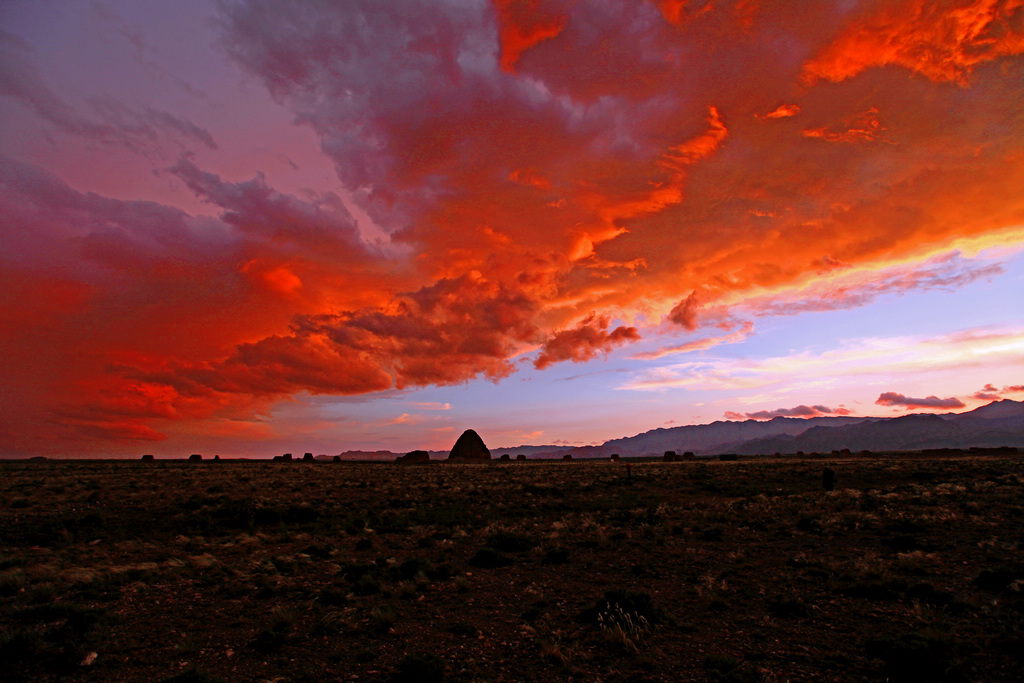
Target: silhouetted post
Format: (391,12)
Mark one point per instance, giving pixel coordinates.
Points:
(828,479)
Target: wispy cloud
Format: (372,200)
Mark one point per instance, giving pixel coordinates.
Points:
(877,358)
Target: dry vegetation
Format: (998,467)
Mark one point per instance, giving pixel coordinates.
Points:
(910,569)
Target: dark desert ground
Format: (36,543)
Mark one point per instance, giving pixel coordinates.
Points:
(910,569)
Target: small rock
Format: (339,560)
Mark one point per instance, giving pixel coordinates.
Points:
(89,659)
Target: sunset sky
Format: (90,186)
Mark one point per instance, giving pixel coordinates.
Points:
(266,226)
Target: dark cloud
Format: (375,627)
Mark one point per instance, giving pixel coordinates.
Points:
(798,411)
(890,398)
(148,131)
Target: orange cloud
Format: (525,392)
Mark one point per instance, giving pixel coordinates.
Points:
(943,41)
(783,111)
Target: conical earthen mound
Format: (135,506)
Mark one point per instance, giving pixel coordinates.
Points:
(470,448)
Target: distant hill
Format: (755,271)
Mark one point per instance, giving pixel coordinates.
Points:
(997,424)
(1000,423)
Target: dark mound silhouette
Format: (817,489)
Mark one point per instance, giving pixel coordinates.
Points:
(414,457)
(470,448)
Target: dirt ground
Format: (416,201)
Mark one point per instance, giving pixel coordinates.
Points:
(910,569)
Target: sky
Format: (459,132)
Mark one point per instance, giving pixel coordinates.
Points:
(249,227)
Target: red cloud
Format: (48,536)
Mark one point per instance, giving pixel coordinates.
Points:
(890,398)
(523,24)
(943,41)
(584,341)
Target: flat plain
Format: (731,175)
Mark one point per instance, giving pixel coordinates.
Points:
(910,569)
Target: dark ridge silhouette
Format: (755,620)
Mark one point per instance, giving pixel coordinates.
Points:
(567,456)
(308,457)
(505,458)
(148,457)
(672,456)
(521,456)
(998,424)
(195,457)
(470,448)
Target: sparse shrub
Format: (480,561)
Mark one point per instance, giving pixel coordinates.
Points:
(301,514)
(462,628)
(809,523)
(489,558)
(508,542)
(930,595)
(382,618)
(193,675)
(869,588)
(273,637)
(637,604)
(331,596)
(1000,577)
(410,568)
(902,543)
(916,656)
(626,629)
(440,572)
(788,607)
(367,585)
(266,516)
(725,669)
(556,556)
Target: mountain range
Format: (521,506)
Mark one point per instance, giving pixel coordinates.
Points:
(1000,423)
